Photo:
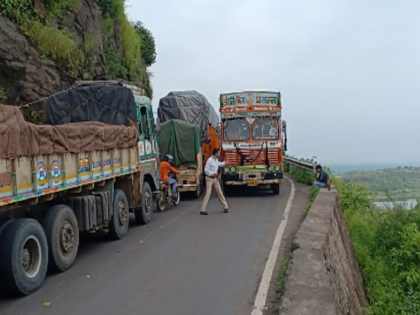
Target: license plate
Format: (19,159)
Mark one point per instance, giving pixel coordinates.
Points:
(252,182)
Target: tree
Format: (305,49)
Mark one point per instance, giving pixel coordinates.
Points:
(148,47)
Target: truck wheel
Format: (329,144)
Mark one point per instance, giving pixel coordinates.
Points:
(24,257)
(120,220)
(62,231)
(145,213)
(275,188)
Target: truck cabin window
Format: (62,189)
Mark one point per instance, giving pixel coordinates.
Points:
(236,130)
(144,125)
(265,128)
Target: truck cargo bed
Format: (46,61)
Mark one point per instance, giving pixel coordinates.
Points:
(26,178)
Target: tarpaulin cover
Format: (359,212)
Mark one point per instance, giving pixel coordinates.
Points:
(106,103)
(191,107)
(20,138)
(181,140)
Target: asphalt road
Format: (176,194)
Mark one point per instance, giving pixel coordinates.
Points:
(180,264)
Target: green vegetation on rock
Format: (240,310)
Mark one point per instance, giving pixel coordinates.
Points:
(3,95)
(129,48)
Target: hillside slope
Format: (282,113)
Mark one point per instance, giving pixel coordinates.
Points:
(46,45)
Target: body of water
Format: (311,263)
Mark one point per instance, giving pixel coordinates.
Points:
(409,204)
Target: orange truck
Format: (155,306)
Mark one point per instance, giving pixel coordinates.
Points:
(252,142)
(193,108)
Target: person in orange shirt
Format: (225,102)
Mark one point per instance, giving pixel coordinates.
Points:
(165,168)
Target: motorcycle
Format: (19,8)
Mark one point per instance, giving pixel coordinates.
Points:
(165,194)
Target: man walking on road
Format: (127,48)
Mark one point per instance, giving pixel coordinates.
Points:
(212,180)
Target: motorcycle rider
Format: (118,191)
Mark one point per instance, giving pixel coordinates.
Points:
(165,168)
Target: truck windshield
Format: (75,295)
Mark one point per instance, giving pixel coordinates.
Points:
(235,130)
(265,128)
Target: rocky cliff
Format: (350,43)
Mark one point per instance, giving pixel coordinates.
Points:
(47,45)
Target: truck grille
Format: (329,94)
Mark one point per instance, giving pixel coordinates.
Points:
(255,156)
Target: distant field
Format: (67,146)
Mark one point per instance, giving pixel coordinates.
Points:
(389,184)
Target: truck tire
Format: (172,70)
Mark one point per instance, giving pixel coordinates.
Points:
(275,188)
(24,257)
(120,220)
(145,213)
(62,231)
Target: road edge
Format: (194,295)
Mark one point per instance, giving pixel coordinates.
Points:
(264,286)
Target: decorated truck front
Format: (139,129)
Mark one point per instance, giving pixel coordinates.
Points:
(252,143)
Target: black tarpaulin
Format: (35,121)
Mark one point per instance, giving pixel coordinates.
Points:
(109,104)
(191,107)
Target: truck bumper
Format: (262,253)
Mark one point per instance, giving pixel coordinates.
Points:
(187,187)
(265,179)
(253,183)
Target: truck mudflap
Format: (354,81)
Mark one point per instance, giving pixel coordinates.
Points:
(252,182)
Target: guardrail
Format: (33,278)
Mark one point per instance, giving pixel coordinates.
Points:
(302,164)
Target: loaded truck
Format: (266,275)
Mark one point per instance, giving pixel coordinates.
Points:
(252,142)
(93,163)
(192,108)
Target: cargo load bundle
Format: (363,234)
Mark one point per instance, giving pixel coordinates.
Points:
(181,140)
(191,107)
(82,119)
(107,103)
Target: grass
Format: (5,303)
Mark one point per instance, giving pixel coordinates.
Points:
(387,246)
(282,277)
(55,44)
(3,95)
(314,193)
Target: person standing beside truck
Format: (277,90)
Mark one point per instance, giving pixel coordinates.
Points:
(165,168)
(212,180)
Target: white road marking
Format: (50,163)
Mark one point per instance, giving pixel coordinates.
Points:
(261,297)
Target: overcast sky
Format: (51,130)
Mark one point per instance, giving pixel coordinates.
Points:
(348,71)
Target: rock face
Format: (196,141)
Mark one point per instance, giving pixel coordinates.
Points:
(28,77)
(23,73)
(323,277)
(85,25)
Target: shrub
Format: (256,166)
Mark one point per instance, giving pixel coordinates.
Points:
(55,44)
(148,48)
(387,246)
(301,175)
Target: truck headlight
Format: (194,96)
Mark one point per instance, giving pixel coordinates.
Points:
(233,169)
(226,169)
(270,168)
(277,167)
